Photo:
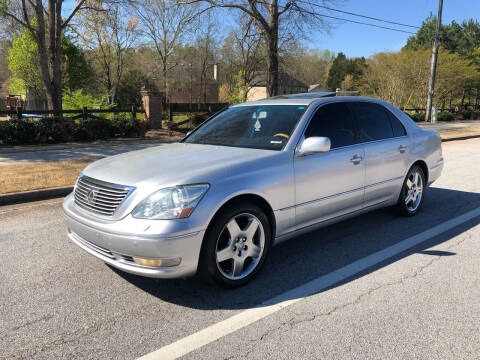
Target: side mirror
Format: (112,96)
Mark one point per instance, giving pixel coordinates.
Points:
(313,145)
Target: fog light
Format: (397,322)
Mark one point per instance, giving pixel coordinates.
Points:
(157,262)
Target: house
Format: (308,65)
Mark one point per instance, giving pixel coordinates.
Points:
(195,93)
(286,85)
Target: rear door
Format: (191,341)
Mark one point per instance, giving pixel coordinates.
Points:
(330,184)
(385,141)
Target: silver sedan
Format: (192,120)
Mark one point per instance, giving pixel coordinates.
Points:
(248,178)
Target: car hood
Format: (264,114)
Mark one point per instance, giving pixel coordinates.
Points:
(173,164)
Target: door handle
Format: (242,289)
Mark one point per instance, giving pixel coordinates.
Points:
(402,148)
(356,159)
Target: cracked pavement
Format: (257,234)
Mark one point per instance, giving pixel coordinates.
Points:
(59,302)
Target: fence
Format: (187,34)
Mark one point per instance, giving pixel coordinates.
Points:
(79,114)
(85,113)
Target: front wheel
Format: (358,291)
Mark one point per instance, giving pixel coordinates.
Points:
(236,245)
(411,196)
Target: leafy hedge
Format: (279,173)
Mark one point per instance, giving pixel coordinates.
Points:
(417,117)
(55,130)
(442,116)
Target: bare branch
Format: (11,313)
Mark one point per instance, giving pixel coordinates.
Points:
(69,18)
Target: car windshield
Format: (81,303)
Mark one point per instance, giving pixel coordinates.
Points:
(260,127)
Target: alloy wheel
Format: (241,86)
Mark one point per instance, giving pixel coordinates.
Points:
(240,246)
(414,191)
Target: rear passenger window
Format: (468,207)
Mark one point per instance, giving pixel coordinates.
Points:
(397,126)
(373,122)
(335,122)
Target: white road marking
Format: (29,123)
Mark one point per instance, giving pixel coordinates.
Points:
(216,331)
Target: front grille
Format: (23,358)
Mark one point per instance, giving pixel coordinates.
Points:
(99,196)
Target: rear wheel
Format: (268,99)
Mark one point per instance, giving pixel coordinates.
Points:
(411,197)
(235,245)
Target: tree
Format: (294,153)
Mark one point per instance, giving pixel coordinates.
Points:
(23,62)
(273,18)
(131,85)
(206,44)
(402,77)
(461,38)
(24,66)
(166,25)
(47,24)
(343,66)
(108,32)
(310,66)
(242,57)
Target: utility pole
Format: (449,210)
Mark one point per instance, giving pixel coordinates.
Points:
(433,64)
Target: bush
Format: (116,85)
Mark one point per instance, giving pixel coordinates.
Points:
(445,116)
(466,114)
(417,117)
(18,131)
(475,115)
(54,130)
(125,126)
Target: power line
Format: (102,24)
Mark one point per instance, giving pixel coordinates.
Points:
(359,15)
(339,18)
(363,23)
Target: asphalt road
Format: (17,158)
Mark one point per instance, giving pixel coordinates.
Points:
(58,302)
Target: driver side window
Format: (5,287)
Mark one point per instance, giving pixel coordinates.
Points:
(335,122)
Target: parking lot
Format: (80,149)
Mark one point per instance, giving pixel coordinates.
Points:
(416,302)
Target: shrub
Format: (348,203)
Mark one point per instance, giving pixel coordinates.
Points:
(475,115)
(466,114)
(125,126)
(445,116)
(93,129)
(18,131)
(54,130)
(417,117)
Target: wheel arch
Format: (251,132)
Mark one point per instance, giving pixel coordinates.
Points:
(256,199)
(423,165)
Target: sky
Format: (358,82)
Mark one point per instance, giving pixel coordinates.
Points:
(360,40)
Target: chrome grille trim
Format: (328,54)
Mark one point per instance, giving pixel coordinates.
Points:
(99,196)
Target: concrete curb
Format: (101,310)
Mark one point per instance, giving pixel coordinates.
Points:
(45,194)
(34,195)
(461,138)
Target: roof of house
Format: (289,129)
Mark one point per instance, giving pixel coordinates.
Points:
(284,80)
(316,88)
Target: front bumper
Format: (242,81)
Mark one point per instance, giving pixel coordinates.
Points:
(116,242)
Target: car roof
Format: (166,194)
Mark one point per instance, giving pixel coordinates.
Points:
(309,95)
(306,99)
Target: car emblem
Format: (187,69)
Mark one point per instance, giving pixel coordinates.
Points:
(91,197)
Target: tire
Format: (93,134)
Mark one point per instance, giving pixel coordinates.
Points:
(413,188)
(232,255)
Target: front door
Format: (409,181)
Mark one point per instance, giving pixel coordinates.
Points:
(330,184)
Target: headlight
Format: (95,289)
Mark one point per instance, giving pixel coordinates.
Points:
(171,203)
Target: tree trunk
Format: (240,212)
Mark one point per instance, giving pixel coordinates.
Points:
(164,71)
(50,55)
(272,51)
